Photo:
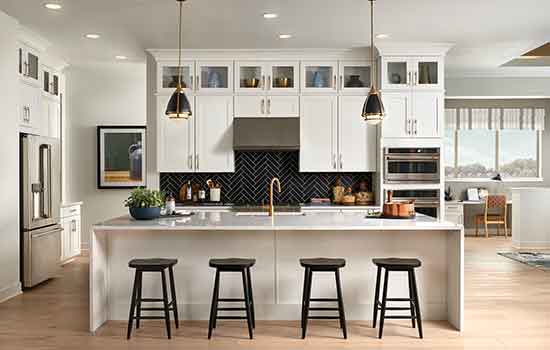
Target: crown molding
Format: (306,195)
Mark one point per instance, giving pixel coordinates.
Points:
(393,48)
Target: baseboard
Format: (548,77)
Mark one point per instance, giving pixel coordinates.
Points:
(531,245)
(10,292)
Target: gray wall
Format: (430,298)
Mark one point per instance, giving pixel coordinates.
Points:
(98,94)
(502,87)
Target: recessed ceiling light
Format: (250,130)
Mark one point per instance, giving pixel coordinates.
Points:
(382,36)
(270,15)
(92,36)
(53,6)
(121,57)
(285,36)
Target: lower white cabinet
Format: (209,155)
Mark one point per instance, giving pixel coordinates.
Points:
(201,143)
(71,234)
(251,106)
(334,135)
(454,212)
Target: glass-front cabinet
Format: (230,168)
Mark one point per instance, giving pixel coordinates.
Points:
(273,77)
(412,72)
(319,76)
(50,81)
(28,64)
(168,76)
(214,76)
(355,77)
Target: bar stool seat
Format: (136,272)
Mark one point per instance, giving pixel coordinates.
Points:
(396,263)
(243,266)
(153,265)
(323,263)
(231,264)
(401,265)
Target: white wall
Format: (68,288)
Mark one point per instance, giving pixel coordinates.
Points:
(98,94)
(9,148)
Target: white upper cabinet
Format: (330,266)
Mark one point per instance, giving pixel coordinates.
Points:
(355,77)
(249,106)
(214,134)
(214,77)
(397,122)
(283,106)
(357,141)
(250,77)
(412,73)
(319,76)
(318,134)
(176,140)
(283,77)
(266,77)
(426,114)
(28,64)
(30,110)
(168,77)
(50,82)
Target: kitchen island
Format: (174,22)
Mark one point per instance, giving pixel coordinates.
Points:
(277,278)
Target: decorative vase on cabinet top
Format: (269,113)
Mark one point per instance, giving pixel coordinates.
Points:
(318,80)
(214,80)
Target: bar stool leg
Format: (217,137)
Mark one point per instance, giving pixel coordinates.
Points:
(166,308)
(249,280)
(173,292)
(306,304)
(341,304)
(417,305)
(214,307)
(138,301)
(132,306)
(383,311)
(411,296)
(247,304)
(304,291)
(376,296)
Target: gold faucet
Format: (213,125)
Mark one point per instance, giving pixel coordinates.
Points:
(271,208)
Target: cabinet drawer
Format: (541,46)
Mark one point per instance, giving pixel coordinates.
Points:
(70,211)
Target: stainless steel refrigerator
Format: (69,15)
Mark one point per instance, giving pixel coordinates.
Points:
(40,201)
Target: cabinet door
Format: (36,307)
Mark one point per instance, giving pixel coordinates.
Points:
(176,140)
(283,77)
(357,141)
(75,236)
(214,77)
(250,77)
(428,73)
(396,121)
(168,76)
(355,77)
(214,134)
(250,106)
(397,73)
(54,118)
(283,106)
(319,76)
(65,239)
(426,112)
(318,118)
(30,108)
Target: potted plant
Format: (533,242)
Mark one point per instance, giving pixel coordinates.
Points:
(144,204)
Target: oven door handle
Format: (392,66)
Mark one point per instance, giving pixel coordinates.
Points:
(415,159)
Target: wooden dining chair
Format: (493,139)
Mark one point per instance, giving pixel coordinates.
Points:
(496,213)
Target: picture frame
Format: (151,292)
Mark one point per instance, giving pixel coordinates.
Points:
(121,156)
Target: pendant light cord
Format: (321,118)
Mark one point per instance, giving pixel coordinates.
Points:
(179,43)
(373,74)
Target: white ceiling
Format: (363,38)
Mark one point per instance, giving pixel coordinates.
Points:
(487,33)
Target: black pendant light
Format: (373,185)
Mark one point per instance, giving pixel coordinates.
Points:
(178,106)
(373,109)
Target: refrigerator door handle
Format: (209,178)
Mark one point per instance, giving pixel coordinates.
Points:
(45,181)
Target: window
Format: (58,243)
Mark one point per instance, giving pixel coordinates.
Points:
(481,154)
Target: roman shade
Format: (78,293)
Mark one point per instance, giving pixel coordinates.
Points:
(465,118)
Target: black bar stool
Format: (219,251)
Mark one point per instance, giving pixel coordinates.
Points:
(233,265)
(395,264)
(322,265)
(153,265)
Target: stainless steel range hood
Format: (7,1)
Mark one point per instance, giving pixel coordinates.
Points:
(266,134)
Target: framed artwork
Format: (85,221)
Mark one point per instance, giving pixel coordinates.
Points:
(121,156)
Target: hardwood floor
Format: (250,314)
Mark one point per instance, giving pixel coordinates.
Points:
(507,307)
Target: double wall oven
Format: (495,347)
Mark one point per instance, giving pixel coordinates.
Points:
(411,165)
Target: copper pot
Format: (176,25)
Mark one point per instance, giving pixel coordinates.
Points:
(398,209)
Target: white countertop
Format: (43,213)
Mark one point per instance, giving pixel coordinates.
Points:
(309,221)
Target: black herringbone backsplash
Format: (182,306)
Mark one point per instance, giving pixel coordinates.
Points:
(253,173)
